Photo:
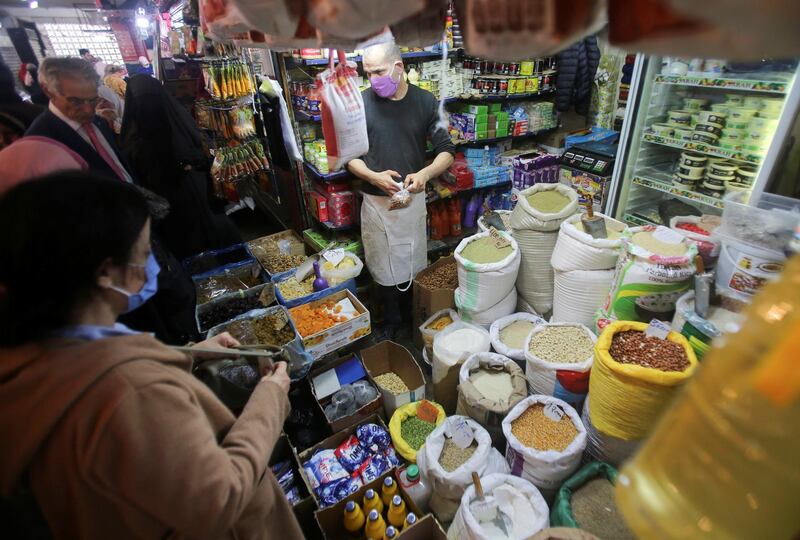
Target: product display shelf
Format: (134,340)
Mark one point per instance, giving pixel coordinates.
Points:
(482,142)
(501,97)
(329,177)
(330,226)
(661,181)
(701,148)
(636,221)
(433,196)
(302,116)
(415,55)
(749,85)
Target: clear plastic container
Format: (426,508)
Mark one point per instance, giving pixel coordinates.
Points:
(724,461)
(410,479)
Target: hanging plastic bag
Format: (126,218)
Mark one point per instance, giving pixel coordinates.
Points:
(358,18)
(344,123)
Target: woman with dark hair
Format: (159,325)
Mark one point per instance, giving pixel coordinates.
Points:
(105,430)
(168,156)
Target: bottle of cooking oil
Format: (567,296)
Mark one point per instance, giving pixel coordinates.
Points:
(724,461)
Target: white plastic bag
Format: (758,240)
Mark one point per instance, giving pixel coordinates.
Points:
(604,447)
(484,285)
(486,317)
(335,276)
(549,468)
(447,362)
(499,324)
(707,246)
(448,487)
(567,382)
(428,334)
(358,18)
(344,123)
(465,526)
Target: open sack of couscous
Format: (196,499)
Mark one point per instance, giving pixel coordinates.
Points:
(510,333)
(411,424)
(546,439)
(487,270)
(454,450)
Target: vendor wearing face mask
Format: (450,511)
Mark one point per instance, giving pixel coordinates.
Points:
(400,120)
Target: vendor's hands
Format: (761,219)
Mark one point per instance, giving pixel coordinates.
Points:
(385,181)
(415,183)
(279,376)
(223,342)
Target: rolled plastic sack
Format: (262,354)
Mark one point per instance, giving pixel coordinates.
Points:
(546,469)
(526,524)
(402,413)
(627,399)
(485,318)
(577,295)
(344,123)
(567,382)
(429,333)
(485,410)
(536,234)
(577,250)
(605,447)
(647,285)
(500,324)
(335,276)
(447,488)
(484,285)
(447,361)
(561,511)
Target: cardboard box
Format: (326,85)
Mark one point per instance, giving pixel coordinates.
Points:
(361,414)
(427,528)
(283,451)
(342,334)
(318,205)
(426,301)
(389,356)
(330,518)
(481,135)
(298,247)
(475,109)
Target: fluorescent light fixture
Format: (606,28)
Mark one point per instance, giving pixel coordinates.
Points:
(34,4)
(142,22)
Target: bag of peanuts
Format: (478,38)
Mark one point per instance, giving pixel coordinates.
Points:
(546,439)
(637,371)
(558,360)
(458,447)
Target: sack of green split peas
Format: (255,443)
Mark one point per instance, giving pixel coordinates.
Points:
(409,431)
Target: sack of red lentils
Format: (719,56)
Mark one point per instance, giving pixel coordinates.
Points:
(546,439)
(559,358)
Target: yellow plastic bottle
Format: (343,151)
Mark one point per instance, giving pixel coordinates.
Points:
(397,511)
(372,502)
(353,519)
(388,490)
(391,533)
(411,518)
(376,527)
(724,461)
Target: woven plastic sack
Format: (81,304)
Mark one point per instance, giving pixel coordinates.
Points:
(484,285)
(647,285)
(465,526)
(627,399)
(561,510)
(407,411)
(485,410)
(344,123)
(429,333)
(577,295)
(524,307)
(447,363)
(335,276)
(497,327)
(536,234)
(448,487)
(545,469)
(358,18)
(604,447)
(567,382)
(485,318)
(577,250)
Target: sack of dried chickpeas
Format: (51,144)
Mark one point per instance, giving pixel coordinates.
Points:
(546,439)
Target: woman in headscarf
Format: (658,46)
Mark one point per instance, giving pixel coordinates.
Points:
(114,79)
(169,157)
(111,108)
(34,156)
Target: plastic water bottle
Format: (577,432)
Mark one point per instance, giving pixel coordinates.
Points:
(412,482)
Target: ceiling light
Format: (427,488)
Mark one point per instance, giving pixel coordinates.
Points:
(142,22)
(34,4)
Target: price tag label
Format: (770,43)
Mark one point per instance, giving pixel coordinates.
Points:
(668,236)
(281,319)
(554,412)
(334,256)
(267,296)
(461,433)
(500,241)
(657,329)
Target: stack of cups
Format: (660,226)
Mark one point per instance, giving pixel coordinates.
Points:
(719,173)
(691,169)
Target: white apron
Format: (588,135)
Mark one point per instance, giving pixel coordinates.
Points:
(395,242)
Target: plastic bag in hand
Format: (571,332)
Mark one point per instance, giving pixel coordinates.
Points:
(400,199)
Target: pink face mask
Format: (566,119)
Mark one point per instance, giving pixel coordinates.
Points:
(384,85)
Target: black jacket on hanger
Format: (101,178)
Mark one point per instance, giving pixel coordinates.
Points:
(577,66)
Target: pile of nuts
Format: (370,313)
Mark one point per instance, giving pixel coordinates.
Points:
(443,277)
(535,430)
(291,289)
(273,259)
(226,310)
(562,344)
(392,382)
(264,329)
(635,347)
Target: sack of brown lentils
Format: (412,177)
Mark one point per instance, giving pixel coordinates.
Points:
(489,386)
(634,379)
(559,358)
(546,440)
(458,447)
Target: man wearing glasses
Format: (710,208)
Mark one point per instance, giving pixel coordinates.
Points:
(71,84)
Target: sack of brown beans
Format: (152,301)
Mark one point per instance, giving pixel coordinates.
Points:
(558,360)
(458,447)
(546,439)
(488,388)
(635,376)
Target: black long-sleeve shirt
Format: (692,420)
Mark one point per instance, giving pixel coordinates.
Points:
(398,132)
